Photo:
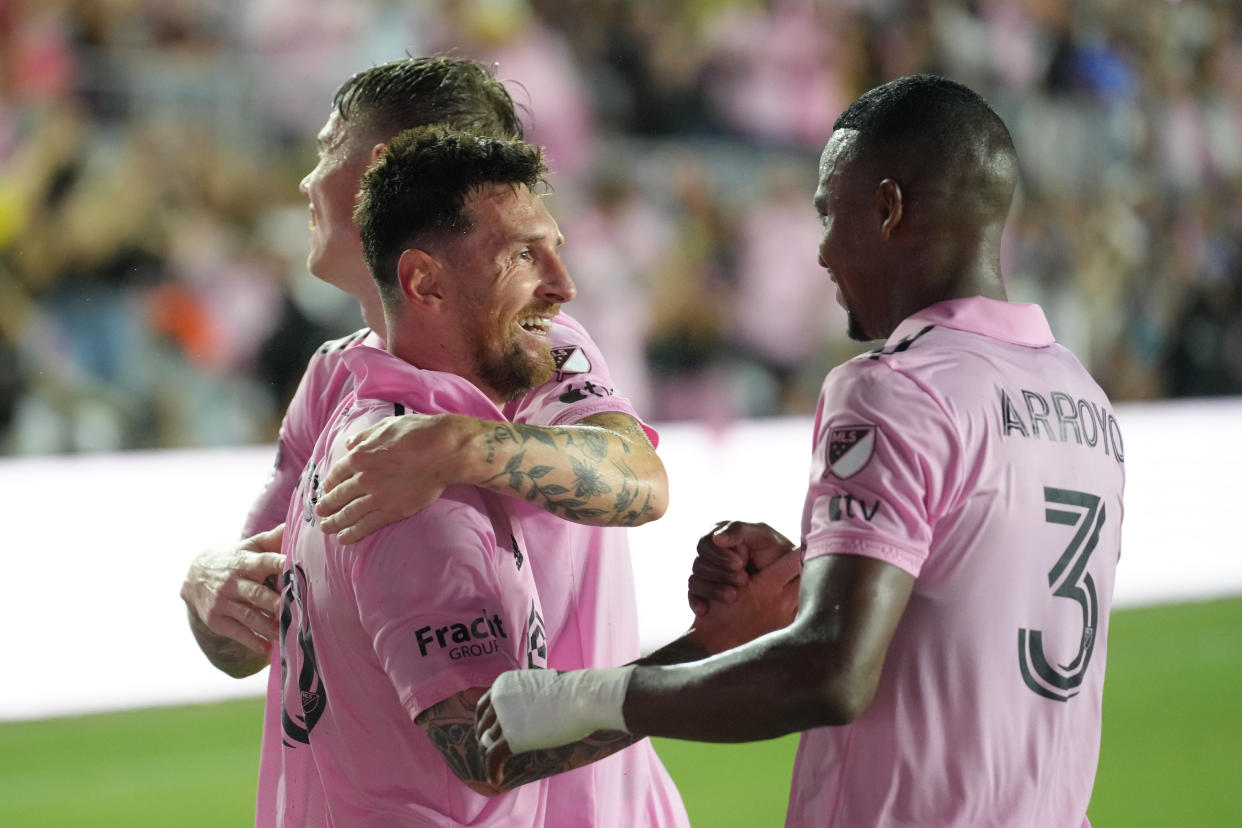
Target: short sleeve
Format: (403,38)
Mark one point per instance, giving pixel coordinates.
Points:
(885,466)
(319,391)
(428,596)
(581,386)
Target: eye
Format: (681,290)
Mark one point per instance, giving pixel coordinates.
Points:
(526,254)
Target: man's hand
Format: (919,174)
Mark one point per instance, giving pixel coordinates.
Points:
(228,590)
(527,710)
(768,602)
(492,741)
(393,469)
(727,557)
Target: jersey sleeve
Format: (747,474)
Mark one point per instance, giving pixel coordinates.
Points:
(886,465)
(428,595)
(581,386)
(319,391)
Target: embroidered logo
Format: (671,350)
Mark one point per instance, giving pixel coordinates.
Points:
(536,639)
(569,359)
(849,449)
(575,394)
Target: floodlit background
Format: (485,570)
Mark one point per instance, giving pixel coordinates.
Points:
(155,312)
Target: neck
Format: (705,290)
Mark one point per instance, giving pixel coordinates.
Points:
(422,346)
(373,317)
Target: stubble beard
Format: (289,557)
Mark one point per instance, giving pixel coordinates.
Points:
(514,371)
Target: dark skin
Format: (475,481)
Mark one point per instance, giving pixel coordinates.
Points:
(899,234)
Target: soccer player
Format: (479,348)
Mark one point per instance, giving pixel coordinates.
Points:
(415,621)
(960,534)
(572,433)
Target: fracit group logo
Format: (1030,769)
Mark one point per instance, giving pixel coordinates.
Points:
(569,359)
(849,449)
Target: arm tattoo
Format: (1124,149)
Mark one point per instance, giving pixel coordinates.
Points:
(538,764)
(450,726)
(579,492)
(224,653)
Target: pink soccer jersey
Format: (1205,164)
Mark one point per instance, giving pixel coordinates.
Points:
(374,633)
(583,575)
(586,584)
(976,454)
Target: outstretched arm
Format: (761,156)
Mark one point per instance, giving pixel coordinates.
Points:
(601,471)
(822,669)
(450,726)
(233,603)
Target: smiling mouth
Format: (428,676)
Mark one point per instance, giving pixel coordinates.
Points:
(538,325)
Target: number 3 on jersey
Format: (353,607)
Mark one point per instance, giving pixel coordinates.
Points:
(1067,579)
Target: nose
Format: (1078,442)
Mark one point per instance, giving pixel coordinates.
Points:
(304,184)
(556,286)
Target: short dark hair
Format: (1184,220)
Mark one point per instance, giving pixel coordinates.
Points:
(939,128)
(419,91)
(419,185)
(923,107)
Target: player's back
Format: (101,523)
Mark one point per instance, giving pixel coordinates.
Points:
(1000,469)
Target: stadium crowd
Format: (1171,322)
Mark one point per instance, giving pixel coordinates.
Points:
(153,290)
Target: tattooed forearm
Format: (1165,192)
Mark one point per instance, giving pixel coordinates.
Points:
(450,726)
(224,653)
(584,473)
(538,764)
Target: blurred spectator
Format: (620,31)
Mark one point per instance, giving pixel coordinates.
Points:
(784,311)
(152,237)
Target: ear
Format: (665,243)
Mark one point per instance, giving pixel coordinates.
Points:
(889,205)
(421,277)
(377,151)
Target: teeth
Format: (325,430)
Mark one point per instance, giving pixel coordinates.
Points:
(540,323)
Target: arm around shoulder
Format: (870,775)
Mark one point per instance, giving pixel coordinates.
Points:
(602,471)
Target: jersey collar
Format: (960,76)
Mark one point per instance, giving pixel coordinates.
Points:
(383,376)
(1015,322)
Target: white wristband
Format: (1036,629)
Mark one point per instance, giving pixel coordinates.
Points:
(543,709)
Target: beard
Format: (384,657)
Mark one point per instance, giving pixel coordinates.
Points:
(510,371)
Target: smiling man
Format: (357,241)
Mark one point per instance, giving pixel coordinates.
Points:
(386,644)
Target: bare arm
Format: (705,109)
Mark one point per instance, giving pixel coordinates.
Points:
(232,602)
(450,726)
(820,670)
(601,471)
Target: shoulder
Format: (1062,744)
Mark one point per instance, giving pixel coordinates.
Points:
(899,383)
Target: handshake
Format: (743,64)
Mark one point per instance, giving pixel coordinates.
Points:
(744,584)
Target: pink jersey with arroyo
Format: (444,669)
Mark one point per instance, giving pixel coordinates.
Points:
(976,454)
(583,575)
(374,633)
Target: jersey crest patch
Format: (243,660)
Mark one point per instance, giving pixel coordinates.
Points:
(849,449)
(569,359)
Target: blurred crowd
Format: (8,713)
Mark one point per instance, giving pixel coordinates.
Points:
(153,290)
